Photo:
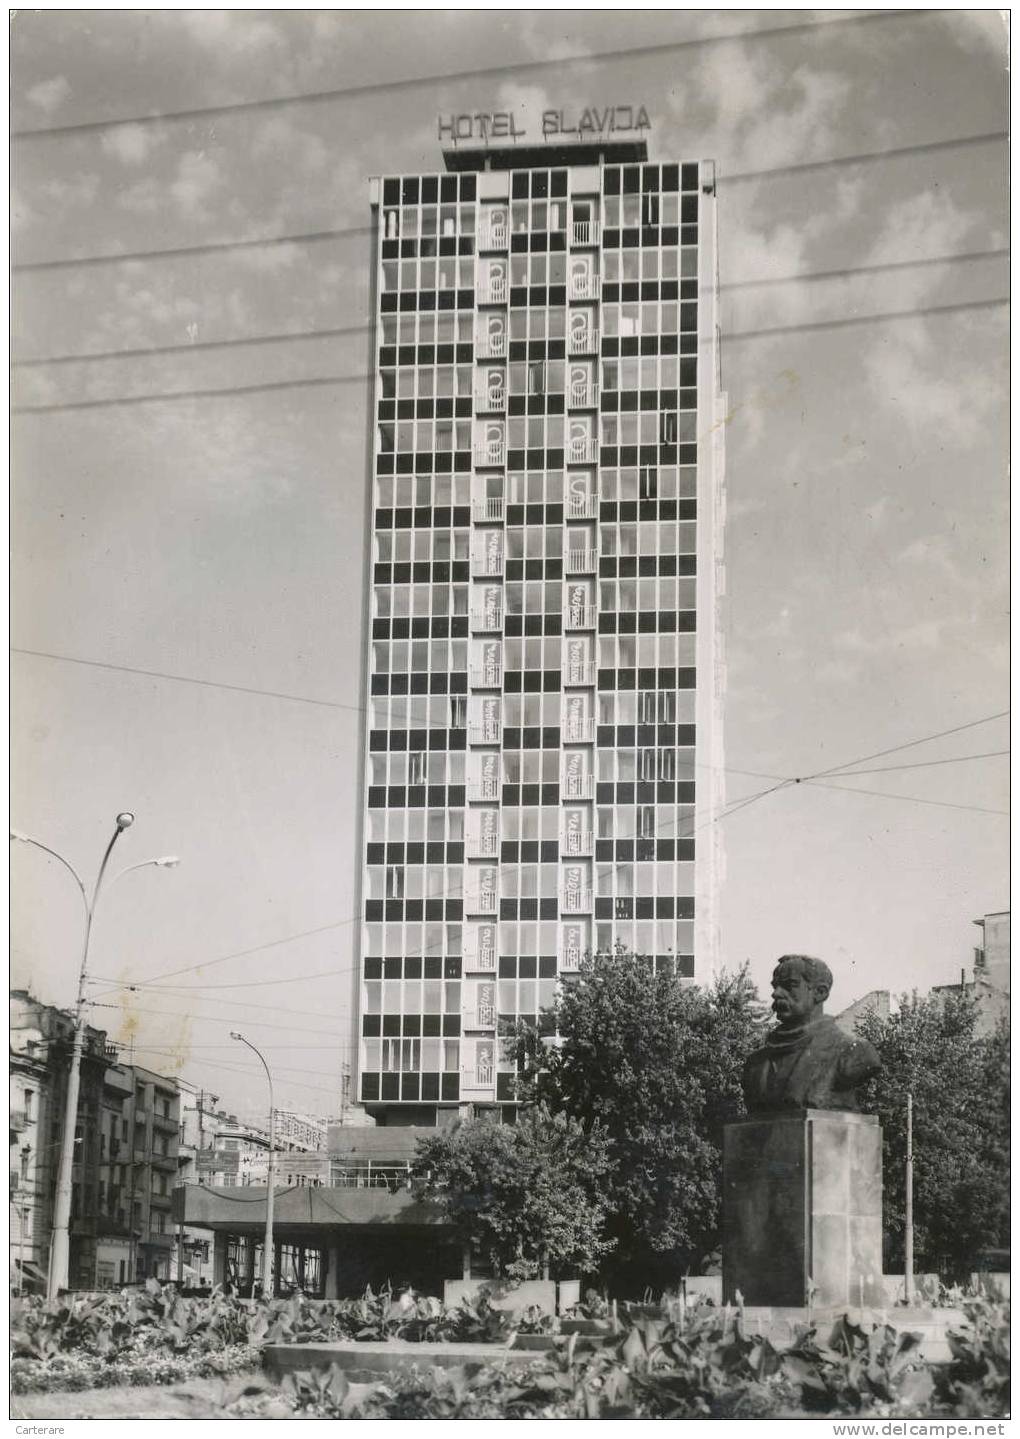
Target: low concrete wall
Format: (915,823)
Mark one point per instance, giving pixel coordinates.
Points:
(366,1362)
(704,1286)
(512,1298)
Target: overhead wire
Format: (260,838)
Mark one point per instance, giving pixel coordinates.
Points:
(909,798)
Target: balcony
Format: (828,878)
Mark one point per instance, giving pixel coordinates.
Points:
(491,399)
(488,620)
(580,562)
(482,902)
(581,617)
(580,731)
(575,901)
(483,846)
(490,454)
(584,287)
(161,1201)
(485,734)
(579,674)
(485,1017)
(584,233)
(493,237)
(487,677)
(486,566)
(583,451)
(489,510)
(484,1074)
(583,395)
(164,1161)
(166,1121)
(491,292)
(576,842)
(490,346)
(475,958)
(583,342)
(482,789)
(578,786)
(581,507)
(19,1120)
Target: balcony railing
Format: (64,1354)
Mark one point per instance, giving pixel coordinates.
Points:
(580,731)
(165,1121)
(486,565)
(581,617)
(584,232)
(485,1016)
(491,398)
(492,452)
(584,395)
(575,901)
(578,786)
(492,237)
(491,292)
(483,1074)
(487,677)
(576,841)
(479,958)
(485,734)
(581,562)
(488,510)
(482,902)
(485,621)
(490,346)
(582,673)
(483,846)
(583,342)
(583,451)
(584,287)
(483,789)
(581,507)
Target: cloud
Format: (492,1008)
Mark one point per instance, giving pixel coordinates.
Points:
(49,95)
(131,144)
(910,375)
(197,177)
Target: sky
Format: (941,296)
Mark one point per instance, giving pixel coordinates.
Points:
(188,574)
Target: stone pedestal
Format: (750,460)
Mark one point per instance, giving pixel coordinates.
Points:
(802,1210)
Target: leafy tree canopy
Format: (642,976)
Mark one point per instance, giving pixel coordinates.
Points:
(656,1065)
(527,1194)
(960,1086)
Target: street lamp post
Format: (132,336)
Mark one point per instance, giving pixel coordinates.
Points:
(57,1277)
(268,1255)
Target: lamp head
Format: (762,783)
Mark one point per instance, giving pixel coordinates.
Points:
(167,861)
(16,834)
(125,819)
(234,1035)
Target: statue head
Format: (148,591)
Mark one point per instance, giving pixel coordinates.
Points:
(800,986)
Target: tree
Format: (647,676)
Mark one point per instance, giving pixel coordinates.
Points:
(960,1088)
(529,1194)
(656,1065)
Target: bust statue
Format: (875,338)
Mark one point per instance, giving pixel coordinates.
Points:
(807,1061)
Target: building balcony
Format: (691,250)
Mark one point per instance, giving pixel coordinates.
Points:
(580,731)
(160,1201)
(166,1122)
(584,451)
(490,455)
(483,846)
(584,287)
(486,566)
(581,562)
(583,395)
(575,901)
(484,1017)
(584,234)
(578,786)
(491,292)
(488,620)
(483,789)
(493,237)
(475,958)
(583,342)
(487,677)
(491,399)
(577,842)
(581,507)
(164,1161)
(19,1121)
(483,901)
(489,510)
(579,674)
(489,346)
(485,734)
(581,617)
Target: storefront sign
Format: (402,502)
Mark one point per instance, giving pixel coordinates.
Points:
(593,122)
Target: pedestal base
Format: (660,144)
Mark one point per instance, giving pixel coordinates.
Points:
(802,1210)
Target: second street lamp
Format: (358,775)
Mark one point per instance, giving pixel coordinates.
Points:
(268,1255)
(57,1277)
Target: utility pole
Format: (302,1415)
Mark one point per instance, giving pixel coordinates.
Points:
(908,1233)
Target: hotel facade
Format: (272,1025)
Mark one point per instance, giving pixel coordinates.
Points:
(543,741)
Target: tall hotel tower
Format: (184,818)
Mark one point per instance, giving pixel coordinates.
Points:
(543,740)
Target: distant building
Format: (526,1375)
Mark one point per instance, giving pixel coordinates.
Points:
(990,985)
(876,1001)
(300,1131)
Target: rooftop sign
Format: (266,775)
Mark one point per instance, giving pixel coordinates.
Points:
(591,124)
